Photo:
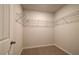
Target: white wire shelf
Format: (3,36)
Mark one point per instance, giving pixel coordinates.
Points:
(71,18)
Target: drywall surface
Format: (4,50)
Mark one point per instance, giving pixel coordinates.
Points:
(16,29)
(38,29)
(67,30)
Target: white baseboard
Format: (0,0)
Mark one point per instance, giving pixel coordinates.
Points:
(20,51)
(46,45)
(38,46)
(62,49)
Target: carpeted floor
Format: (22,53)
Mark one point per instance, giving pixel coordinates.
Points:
(48,50)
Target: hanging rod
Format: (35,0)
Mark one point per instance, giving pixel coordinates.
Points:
(39,26)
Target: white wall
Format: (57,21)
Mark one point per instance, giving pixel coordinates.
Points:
(16,29)
(35,31)
(67,35)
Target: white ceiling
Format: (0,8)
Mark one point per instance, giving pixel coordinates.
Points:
(42,7)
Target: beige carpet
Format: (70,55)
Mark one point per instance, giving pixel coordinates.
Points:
(49,50)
